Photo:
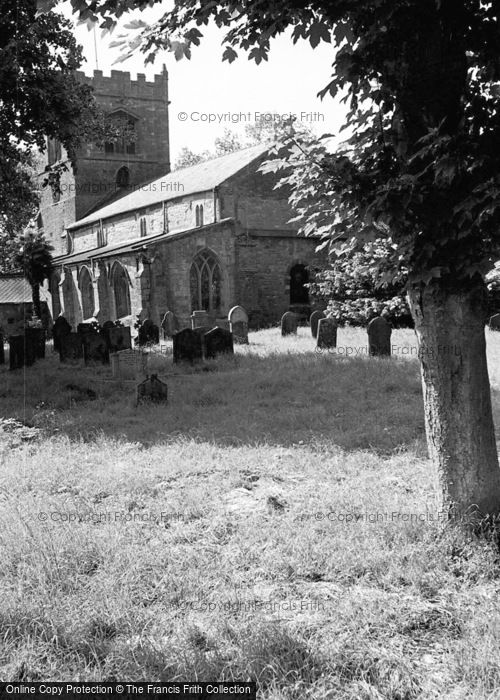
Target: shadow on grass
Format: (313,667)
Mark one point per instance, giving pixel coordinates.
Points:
(279,399)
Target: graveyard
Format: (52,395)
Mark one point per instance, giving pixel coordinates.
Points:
(273,519)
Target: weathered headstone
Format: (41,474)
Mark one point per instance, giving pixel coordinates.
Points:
(314,319)
(36,339)
(60,328)
(148,333)
(84,328)
(218,341)
(95,348)
(379,337)
(127,364)
(238,324)
(289,323)
(168,325)
(495,322)
(118,338)
(188,346)
(2,351)
(152,389)
(327,333)
(71,347)
(200,319)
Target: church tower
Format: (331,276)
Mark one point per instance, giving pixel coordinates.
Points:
(139,152)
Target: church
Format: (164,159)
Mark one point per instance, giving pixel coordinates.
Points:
(133,239)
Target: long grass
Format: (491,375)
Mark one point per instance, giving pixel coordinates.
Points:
(275,521)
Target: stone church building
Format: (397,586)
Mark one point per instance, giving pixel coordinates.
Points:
(133,239)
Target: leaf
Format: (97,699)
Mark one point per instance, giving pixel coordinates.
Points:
(229,54)
(44,6)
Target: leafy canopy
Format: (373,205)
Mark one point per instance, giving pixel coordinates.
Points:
(422,81)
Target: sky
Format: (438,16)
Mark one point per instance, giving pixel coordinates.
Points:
(208,96)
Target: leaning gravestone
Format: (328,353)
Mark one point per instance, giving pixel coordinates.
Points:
(71,348)
(218,341)
(2,351)
(148,333)
(60,328)
(327,333)
(289,323)
(35,337)
(152,389)
(314,319)
(118,338)
(495,322)
(238,324)
(95,349)
(188,346)
(379,337)
(168,325)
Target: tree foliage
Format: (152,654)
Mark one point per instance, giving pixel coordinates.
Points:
(35,259)
(40,97)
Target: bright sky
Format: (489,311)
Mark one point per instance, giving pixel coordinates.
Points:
(241,91)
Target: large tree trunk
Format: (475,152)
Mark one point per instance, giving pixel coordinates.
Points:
(35,293)
(449,323)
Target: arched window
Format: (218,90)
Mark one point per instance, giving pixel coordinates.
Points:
(87,293)
(121,291)
(299,277)
(123,177)
(206,282)
(199,215)
(143,226)
(70,246)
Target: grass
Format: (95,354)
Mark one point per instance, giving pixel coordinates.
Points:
(275,521)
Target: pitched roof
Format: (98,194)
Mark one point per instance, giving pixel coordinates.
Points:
(15,289)
(179,183)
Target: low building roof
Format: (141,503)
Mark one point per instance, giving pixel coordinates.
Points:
(15,289)
(202,177)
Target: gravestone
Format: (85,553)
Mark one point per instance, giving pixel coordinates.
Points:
(118,338)
(200,319)
(95,348)
(379,337)
(152,389)
(238,324)
(222,323)
(127,364)
(188,346)
(148,333)
(289,323)
(21,352)
(218,341)
(2,351)
(84,328)
(71,347)
(314,319)
(107,325)
(36,339)
(495,322)
(327,333)
(168,325)
(60,328)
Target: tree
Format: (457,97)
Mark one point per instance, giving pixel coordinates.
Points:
(352,285)
(422,80)
(40,97)
(35,259)
(187,158)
